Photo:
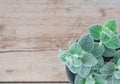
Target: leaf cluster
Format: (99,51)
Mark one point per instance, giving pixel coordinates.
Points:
(95,57)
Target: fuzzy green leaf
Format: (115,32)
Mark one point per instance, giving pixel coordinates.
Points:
(98,49)
(89,80)
(79,80)
(86,42)
(99,64)
(73,69)
(69,61)
(117,55)
(63,54)
(88,60)
(115,80)
(109,52)
(111,24)
(107,31)
(75,49)
(77,62)
(117,74)
(108,69)
(113,43)
(104,37)
(95,31)
(100,80)
(84,71)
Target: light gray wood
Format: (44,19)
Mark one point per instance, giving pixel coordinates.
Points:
(34,83)
(36,24)
(31,66)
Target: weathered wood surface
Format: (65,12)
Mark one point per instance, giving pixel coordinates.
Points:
(31,66)
(34,83)
(31,31)
(30,83)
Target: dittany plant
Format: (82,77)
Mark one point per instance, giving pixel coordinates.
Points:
(95,57)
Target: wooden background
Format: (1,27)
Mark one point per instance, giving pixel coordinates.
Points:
(32,31)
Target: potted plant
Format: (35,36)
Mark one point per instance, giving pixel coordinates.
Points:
(95,57)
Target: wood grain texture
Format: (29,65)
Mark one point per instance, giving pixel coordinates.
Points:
(36,24)
(31,66)
(32,31)
(35,83)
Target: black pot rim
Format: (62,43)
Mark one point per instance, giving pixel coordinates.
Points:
(70,75)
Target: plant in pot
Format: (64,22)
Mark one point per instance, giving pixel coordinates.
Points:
(95,57)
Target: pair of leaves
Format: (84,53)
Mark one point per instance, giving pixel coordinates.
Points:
(75,57)
(106,34)
(95,30)
(86,62)
(108,69)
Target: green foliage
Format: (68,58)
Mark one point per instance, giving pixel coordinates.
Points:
(90,80)
(95,31)
(111,24)
(100,80)
(84,71)
(98,49)
(88,60)
(86,42)
(79,79)
(95,57)
(109,52)
(108,69)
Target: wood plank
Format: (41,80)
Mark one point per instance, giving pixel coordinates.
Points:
(34,83)
(33,24)
(31,66)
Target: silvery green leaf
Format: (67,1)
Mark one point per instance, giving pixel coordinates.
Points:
(63,54)
(108,69)
(100,80)
(69,61)
(109,80)
(77,62)
(104,37)
(99,64)
(84,71)
(79,80)
(88,60)
(117,74)
(109,52)
(75,48)
(118,62)
(73,69)
(111,24)
(89,80)
(100,60)
(107,31)
(115,80)
(95,31)
(98,49)
(86,42)
(113,43)
(117,55)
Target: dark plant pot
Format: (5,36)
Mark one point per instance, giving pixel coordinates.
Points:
(70,75)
